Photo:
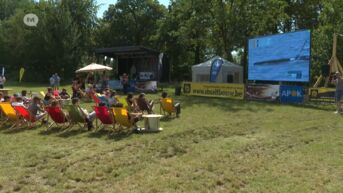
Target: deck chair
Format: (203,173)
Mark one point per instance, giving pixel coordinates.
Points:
(104,116)
(76,117)
(122,101)
(122,117)
(58,117)
(167,106)
(9,115)
(25,114)
(95,99)
(102,99)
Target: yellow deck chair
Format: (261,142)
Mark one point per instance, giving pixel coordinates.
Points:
(167,106)
(121,116)
(10,115)
(123,101)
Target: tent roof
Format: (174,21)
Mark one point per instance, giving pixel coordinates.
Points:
(93,68)
(208,63)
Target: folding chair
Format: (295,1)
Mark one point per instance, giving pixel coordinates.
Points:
(23,112)
(58,117)
(167,106)
(76,116)
(122,101)
(104,116)
(9,115)
(122,117)
(95,99)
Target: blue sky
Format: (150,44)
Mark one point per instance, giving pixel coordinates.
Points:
(105,3)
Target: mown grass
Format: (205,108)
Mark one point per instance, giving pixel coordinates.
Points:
(217,145)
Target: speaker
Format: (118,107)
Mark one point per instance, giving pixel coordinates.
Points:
(325,70)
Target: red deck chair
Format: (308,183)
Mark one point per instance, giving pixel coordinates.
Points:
(24,113)
(95,99)
(105,116)
(58,117)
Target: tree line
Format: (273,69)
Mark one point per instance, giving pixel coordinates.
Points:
(187,31)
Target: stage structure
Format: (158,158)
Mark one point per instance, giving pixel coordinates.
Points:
(334,65)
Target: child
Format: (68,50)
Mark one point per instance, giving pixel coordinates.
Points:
(36,108)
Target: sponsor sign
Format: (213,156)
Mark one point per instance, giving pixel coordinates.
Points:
(232,91)
(322,94)
(291,94)
(148,86)
(264,92)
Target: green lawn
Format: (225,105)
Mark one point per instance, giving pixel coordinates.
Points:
(218,145)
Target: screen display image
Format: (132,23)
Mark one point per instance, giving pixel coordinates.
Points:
(281,57)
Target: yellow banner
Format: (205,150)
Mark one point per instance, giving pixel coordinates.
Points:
(322,94)
(232,91)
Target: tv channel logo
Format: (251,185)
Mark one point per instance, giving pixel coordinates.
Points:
(31,20)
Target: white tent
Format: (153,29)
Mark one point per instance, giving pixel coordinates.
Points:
(94,68)
(229,72)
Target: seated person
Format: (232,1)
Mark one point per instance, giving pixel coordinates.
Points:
(133,117)
(7,99)
(144,105)
(177,106)
(90,91)
(1,97)
(132,105)
(47,99)
(25,98)
(14,98)
(63,94)
(18,102)
(90,116)
(112,99)
(36,108)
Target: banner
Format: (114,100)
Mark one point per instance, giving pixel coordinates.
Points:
(291,94)
(322,94)
(232,91)
(264,92)
(148,86)
(215,68)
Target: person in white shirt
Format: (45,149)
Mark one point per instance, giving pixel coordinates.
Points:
(2,81)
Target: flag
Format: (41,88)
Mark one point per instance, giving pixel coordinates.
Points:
(215,69)
(21,73)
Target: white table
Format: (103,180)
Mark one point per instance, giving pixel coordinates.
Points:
(152,122)
(5,91)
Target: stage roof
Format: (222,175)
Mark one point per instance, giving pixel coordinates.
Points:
(127,51)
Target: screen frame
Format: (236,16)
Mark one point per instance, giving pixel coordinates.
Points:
(279,34)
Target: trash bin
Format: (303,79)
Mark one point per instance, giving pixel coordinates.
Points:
(178,91)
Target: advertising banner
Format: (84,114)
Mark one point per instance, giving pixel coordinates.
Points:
(215,69)
(322,94)
(148,86)
(291,94)
(232,91)
(264,92)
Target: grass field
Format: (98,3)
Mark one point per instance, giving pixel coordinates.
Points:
(217,145)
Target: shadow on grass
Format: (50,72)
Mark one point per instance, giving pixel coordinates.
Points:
(52,130)
(72,132)
(20,129)
(111,135)
(226,104)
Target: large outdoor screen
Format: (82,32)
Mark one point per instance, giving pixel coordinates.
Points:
(281,57)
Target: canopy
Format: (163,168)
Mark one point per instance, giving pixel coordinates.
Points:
(229,73)
(94,68)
